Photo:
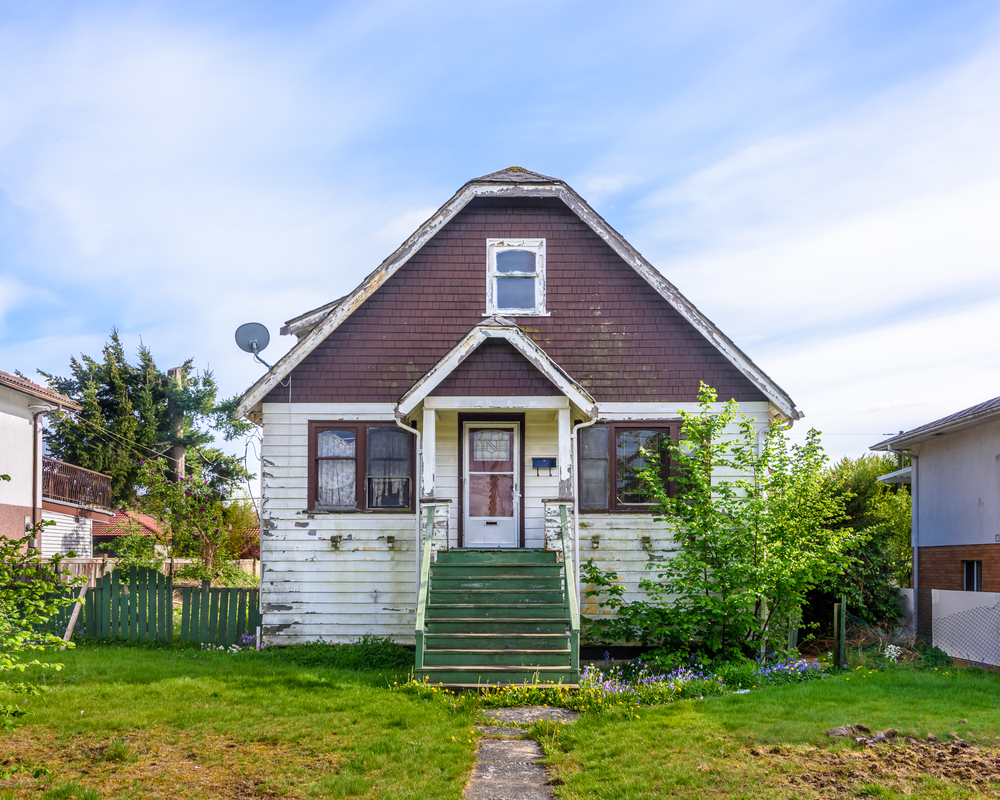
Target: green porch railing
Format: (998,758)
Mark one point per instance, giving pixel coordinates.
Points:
(424,590)
(571,600)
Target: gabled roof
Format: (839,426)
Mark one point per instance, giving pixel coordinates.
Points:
(118,525)
(34,390)
(497,328)
(511,182)
(987,411)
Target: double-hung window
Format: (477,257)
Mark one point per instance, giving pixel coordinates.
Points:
(611,458)
(973,575)
(515,277)
(360,467)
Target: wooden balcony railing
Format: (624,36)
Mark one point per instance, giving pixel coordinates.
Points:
(84,487)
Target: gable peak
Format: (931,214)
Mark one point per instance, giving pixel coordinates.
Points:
(515,175)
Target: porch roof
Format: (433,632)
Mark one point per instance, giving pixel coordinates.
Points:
(497,328)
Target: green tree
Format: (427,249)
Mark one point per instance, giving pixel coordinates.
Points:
(753,517)
(196,521)
(130,409)
(883,561)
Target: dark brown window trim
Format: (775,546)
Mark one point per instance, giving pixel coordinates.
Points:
(477,417)
(673,427)
(361,474)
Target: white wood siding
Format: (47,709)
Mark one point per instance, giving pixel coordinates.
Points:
(309,590)
(312,591)
(67,535)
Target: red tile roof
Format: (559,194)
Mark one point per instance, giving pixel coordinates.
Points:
(118,525)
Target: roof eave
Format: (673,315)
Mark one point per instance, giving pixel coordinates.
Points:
(905,441)
(249,403)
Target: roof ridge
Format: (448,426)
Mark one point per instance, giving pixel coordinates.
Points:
(515,175)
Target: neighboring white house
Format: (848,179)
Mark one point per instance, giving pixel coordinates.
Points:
(505,364)
(955,533)
(42,488)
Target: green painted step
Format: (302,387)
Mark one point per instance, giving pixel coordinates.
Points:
(539,611)
(506,626)
(488,641)
(497,658)
(497,617)
(480,557)
(495,582)
(512,596)
(478,676)
(494,570)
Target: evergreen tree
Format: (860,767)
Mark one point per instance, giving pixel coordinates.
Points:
(883,562)
(131,412)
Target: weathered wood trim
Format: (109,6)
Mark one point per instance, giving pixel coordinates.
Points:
(640,411)
(549,403)
(554,188)
(336,411)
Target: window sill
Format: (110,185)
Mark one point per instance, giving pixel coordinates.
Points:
(339,511)
(510,314)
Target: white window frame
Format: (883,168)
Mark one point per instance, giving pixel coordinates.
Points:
(496,246)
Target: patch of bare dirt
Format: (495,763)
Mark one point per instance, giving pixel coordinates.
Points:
(156,767)
(844,771)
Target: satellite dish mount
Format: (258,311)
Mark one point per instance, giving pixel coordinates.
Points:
(252,337)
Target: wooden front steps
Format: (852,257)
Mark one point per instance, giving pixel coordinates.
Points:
(497,617)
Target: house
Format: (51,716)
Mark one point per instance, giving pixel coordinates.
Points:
(42,488)
(442,446)
(955,488)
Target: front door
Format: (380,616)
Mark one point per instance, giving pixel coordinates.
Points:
(492,492)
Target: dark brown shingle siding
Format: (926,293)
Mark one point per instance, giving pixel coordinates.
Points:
(496,368)
(608,328)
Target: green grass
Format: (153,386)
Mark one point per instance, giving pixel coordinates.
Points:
(139,722)
(772,743)
(133,722)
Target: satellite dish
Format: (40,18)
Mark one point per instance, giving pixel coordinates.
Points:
(252,337)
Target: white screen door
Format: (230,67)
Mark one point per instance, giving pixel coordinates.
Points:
(492,502)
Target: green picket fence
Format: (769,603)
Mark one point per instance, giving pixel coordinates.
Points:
(141,609)
(218,616)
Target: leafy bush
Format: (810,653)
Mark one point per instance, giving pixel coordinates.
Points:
(32,592)
(223,572)
(751,546)
(932,656)
(136,550)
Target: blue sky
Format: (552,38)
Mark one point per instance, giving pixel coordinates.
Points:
(821,179)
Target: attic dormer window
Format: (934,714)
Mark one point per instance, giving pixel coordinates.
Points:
(515,279)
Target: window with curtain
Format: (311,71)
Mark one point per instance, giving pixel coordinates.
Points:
(360,467)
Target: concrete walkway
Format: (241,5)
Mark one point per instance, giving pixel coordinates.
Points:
(507,764)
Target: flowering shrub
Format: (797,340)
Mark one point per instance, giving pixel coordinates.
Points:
(892,653)
(622,690)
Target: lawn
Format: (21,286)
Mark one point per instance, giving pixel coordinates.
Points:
(131,722)
(771,743)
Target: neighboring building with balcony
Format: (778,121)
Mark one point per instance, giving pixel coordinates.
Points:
(42,488)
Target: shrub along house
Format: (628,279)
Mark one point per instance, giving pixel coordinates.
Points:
(442,446)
